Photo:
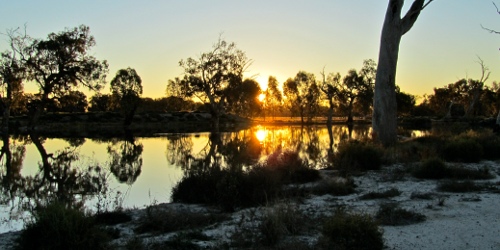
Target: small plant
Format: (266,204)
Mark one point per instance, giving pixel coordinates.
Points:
(279,221)
(56,226)
(337,187)
(436,169)
(422,196)
(161,220)
(112,218)
(357,156)
(392,215)
(381,195)
(351,231)
(463,173)
(433,168)
(455,186)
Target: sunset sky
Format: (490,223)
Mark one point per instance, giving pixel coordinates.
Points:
(281,36)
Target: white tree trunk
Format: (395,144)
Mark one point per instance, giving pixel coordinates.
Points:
(498,119)
(384,119)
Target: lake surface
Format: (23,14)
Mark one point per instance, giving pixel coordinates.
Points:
(134,172)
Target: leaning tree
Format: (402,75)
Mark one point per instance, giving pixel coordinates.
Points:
(384,121)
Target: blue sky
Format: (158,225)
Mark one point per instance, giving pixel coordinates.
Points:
(280,36)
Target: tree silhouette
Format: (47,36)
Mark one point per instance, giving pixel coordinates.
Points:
(210,75)
(126,86)
(60,63)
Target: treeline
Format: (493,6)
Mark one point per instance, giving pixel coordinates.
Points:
(213,82)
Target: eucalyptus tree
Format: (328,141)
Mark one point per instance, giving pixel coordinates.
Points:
(273,96)
(241,97)
(330,88)
(302,95)
(60,63)
(208,76)
(126,87)
(384,121)
(12,74)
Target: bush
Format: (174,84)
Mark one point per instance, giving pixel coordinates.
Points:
(291,167)
(57,227)
(454,186)
(357,156)
(165,220)
(258,185)
(433,168)
(351,231)
(279,221)
(392,215)
(381,195)
(334,187)
(462,150)
(437,169)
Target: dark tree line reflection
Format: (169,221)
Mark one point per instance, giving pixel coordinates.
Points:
(61,175)
(247,147)
(64,175)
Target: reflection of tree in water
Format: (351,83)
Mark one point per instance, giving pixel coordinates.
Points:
(75,142)
(59,177)
(179,147)
(313,145)
(125,159)
(241,149)
(234,149)
(237,149)
(11,160)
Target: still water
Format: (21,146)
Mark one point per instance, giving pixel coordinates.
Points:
(134,172)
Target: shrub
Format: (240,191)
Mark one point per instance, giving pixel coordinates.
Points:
(57,227)
(455,186)
(112,218)
(351,231)
(392,215)
(462,150)
(381,195)
(279,221)
(291,167)
(357,156)
(157,219)
(433,168)
(334,187)
(437,169)
(258,185)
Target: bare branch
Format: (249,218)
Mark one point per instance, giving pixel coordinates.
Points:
(485,71)
(498,11)
(425,5)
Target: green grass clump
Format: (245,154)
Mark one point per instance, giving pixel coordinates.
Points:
(351,231)
(56,226)
(381,195)
(357,156)
(392,215)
